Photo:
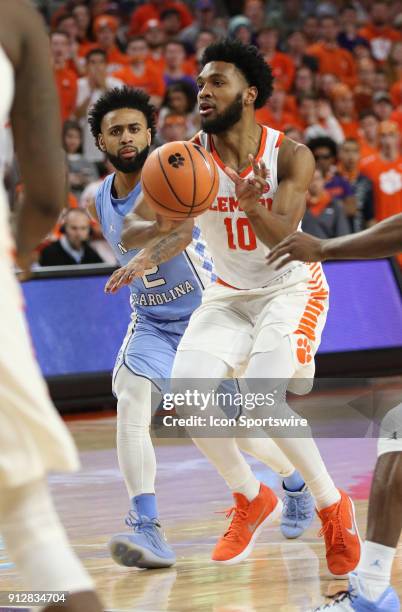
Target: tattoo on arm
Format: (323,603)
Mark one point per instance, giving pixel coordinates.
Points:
(166,248)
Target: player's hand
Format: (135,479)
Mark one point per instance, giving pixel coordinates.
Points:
(125,275)
(250,190)
(298,246)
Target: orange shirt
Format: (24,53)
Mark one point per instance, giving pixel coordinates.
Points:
(150,81)
(367,152)
(265,117)
(317,204)
(396,116)
(149,11)
(114,57)
(380,40)
(66,83)
(387,183)
(336,61)
(396,93)
(283,69)
(350,128)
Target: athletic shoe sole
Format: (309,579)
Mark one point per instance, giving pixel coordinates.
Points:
(129,554)
(271,518)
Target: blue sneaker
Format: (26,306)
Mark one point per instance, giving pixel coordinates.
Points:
(298,512)
(146,548)
(353,600)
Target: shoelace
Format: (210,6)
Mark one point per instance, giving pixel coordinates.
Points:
(333,523)
(295,509)
(148,528)
(237,521)
(340,597)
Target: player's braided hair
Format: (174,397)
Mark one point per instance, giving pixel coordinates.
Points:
(248,60)
(117,98)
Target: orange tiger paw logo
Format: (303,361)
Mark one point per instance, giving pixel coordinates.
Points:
(303,351)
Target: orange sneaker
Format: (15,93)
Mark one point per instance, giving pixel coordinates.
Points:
(249,519)
(342,539)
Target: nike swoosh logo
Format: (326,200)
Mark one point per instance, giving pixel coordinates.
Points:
(252,526)
(353,530)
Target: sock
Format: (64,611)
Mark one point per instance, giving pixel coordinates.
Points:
(250,488)
(374,569)
(145,505)
(325,492)
(294,482)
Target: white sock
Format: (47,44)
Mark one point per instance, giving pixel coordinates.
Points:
(324,491)
(374,569)
(36,542)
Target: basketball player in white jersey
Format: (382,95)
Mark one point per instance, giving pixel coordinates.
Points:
(253,319)
(33,438)
(369,587)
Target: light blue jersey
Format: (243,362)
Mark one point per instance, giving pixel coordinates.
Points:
(162,300)
(168,292)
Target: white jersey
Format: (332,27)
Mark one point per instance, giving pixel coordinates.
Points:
(6,98)
(238,255)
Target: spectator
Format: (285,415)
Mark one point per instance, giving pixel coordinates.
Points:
(382,105)
(331,57)
(304,82)
(378,31)
(360,211)
(65,78)
(363,92)
(368,135)
(82,17)
(296,45)
(310,29)
(67,23)
(172,127)
(295,134)
(105,28)
(288,18)
(72,248)
(380,80)
(156,40)
(344,110)
(394,63)
(327,82)
(153,9)
(81,171)
(204,20)
(324,217)
(170,23)
(254,10)
(281,64)
(175,58)
(90,88)
(240,28)
(348,37)
(325,153)
(142,72)
(203,40)
(274,113)
(181,98)
(385,171)
(318,119)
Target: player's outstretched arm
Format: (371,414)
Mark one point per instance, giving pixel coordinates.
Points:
(381,240)
(36,127)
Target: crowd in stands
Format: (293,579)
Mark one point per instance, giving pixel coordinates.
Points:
(338,87)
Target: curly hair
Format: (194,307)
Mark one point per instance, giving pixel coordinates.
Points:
(247,59)
(117,98)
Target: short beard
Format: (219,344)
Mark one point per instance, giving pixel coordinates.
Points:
(129,166)
(225,120)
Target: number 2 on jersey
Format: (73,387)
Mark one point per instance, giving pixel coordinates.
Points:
(242,237)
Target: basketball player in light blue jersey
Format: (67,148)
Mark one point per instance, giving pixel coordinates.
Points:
(163,298)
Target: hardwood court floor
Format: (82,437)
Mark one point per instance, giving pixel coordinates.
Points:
(280,575)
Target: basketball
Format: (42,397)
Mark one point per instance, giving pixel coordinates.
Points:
(180,180)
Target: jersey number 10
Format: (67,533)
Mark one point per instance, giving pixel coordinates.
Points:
(242,237)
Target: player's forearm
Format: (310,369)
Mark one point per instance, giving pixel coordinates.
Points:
(382,240)
(138,233)
(168,246)
(269,227)
(32,224)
